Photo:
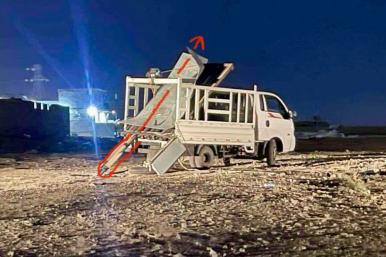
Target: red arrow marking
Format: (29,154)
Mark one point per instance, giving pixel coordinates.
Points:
(126,138)
(199,40)
(183,66)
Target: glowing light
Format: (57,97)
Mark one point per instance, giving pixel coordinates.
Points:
(92,111)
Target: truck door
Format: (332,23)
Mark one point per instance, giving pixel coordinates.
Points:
(275,121)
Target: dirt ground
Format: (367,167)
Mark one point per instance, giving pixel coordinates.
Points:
(318,204)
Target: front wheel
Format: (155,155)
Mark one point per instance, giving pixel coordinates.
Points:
(271,152)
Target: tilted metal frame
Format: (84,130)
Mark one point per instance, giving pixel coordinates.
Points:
(138,85)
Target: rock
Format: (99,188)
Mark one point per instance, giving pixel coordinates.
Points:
(212,253)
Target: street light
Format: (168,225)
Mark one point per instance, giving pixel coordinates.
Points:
(92,111)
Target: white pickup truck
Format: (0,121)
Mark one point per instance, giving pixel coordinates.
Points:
(188,114)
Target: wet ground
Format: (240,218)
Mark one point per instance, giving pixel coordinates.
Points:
(318,204)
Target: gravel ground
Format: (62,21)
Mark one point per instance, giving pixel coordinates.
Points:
(318,204)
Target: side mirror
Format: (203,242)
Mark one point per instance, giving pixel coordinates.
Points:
(292,114)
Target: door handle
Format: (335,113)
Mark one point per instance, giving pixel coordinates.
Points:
(267,123)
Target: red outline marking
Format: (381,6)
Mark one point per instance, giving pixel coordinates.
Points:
(183,66)
(126,138)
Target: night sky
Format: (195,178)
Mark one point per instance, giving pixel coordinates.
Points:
(324,58)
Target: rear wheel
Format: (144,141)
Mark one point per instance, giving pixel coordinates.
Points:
(205,158)
(271,152)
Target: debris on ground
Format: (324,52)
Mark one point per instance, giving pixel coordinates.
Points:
(318,204)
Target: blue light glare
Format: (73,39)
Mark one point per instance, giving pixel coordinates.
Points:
(80,33)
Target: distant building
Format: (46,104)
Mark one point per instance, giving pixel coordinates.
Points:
(89,109)
(316,128)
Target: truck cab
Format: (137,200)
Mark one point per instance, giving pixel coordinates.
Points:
(274,126)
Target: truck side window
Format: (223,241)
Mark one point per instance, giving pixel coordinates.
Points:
(274,105)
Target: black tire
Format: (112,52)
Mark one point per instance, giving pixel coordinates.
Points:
(227,161)
(271,152)
(205,158)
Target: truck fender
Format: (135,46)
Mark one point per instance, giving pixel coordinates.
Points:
(279,144)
